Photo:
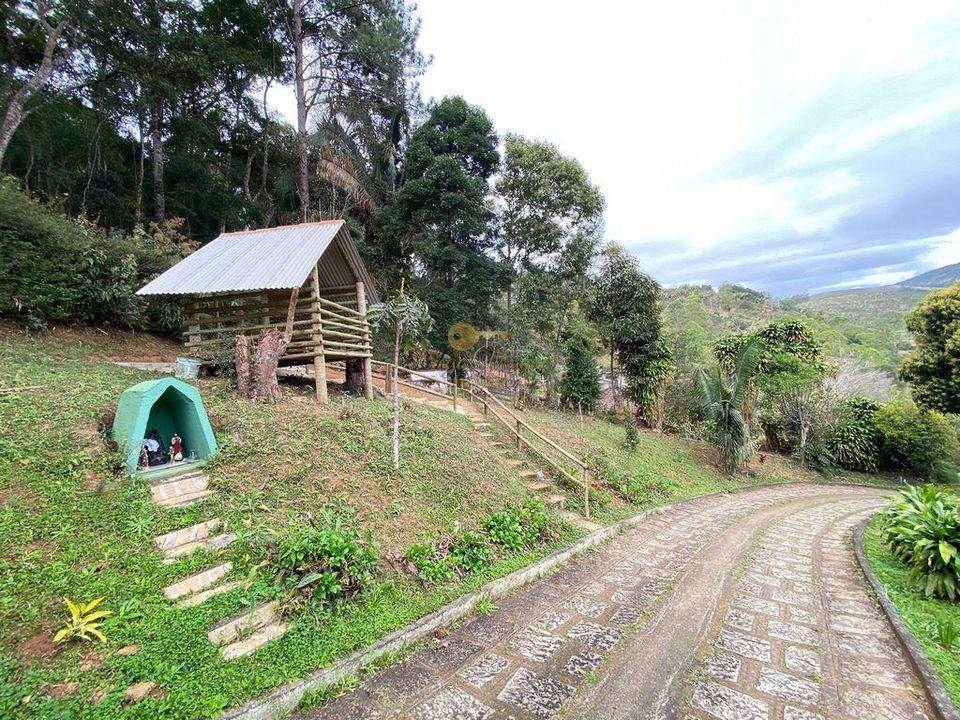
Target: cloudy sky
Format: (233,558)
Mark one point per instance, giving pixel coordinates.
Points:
(789,145)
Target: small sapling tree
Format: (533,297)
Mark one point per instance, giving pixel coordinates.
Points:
(404,316)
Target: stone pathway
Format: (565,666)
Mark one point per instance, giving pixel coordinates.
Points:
(735,607)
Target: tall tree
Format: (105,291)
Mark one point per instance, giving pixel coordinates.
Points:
(439,220)
(933,369)
(41,39)
(627,306)
(546,199)
(359,47)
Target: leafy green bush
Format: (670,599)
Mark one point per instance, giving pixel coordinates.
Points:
(631,438)
(469,550)
(918,439)
(326,558)
(432,563)
(580,384)
(57,269)
(922,528)
(518,527)
(852,438)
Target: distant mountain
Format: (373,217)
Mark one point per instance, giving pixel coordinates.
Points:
(882,308)
(941,277)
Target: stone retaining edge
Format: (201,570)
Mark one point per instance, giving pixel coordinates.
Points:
(936,692)
(286,698)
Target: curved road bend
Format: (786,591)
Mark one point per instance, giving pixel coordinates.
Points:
(746,606)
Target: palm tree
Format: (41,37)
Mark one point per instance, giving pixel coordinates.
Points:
(721,394)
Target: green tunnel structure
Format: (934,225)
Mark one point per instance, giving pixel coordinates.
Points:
(168,405)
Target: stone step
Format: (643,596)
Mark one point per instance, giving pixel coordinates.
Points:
(191,534)
(580,520)
(217,542)
(203,580)
(186,475)
(539,486)
(164,493)
(528,474)
(201,597)
(179,501)
(230,630)
(250,644)
(514,462)
(557,502)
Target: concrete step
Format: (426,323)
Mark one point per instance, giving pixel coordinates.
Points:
(557,502)
(174,476)
(514,462)
(164,493)
(528,474)
(191,534)
(179,501)
(255,641)
(580,520)
(538,487)
(232,629)
(201,597)
(217,542)
(203,580)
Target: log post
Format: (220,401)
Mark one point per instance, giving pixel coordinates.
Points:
(367,369)
(241,361)
(291,311)
(319,362)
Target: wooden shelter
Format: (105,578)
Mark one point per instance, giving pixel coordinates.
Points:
(306,280)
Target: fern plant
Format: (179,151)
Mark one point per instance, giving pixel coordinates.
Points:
(721,394)
(84,622)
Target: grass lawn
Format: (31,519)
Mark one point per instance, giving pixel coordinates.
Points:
(921,614)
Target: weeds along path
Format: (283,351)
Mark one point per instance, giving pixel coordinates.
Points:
(745,606)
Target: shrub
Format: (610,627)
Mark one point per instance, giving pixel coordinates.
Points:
(631,439)
(326,559)
(852,439)
(580,384)
(917,439)
(432,564)
(517,527)
(469,550)
(57,269)
(922,528)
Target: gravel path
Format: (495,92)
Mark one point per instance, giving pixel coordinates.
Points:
(746,606)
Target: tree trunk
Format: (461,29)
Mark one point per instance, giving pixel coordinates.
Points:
(300,92)
(15,111)
(270,347)
(396,402)
(355,375)
(156,141)
(141,168)
(242,361)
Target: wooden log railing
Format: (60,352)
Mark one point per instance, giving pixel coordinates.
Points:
(525,435)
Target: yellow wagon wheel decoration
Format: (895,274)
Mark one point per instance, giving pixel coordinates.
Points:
(462,336)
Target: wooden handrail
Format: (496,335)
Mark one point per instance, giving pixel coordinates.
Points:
(572,458)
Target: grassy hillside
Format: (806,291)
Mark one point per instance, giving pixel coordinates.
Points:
(70,527)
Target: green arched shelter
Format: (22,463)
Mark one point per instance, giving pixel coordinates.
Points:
(169,405)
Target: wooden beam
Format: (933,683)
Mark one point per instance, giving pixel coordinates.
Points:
(319,364)
(367,371)
(291,311)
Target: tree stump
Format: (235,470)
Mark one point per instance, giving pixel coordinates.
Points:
(270,346)
(355,377)
(242,362)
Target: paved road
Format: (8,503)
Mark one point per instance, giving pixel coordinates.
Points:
(739,607)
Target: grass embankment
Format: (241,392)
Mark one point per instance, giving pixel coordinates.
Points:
(68,527)
(921,614)
(662,468)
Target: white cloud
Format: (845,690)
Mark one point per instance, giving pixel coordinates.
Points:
(945,250)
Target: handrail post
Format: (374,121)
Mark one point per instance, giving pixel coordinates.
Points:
(518,434)
(586,493)
(485,408)
(454,397)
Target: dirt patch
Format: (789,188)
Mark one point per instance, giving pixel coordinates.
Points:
(38,649)
(105,343)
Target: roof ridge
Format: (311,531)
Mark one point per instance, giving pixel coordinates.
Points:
(281,227)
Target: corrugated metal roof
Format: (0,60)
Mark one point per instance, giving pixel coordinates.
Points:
(270,259)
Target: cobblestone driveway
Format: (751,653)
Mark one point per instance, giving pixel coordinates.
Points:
(740,607)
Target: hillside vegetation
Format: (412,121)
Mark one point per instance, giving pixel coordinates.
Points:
(70,527)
